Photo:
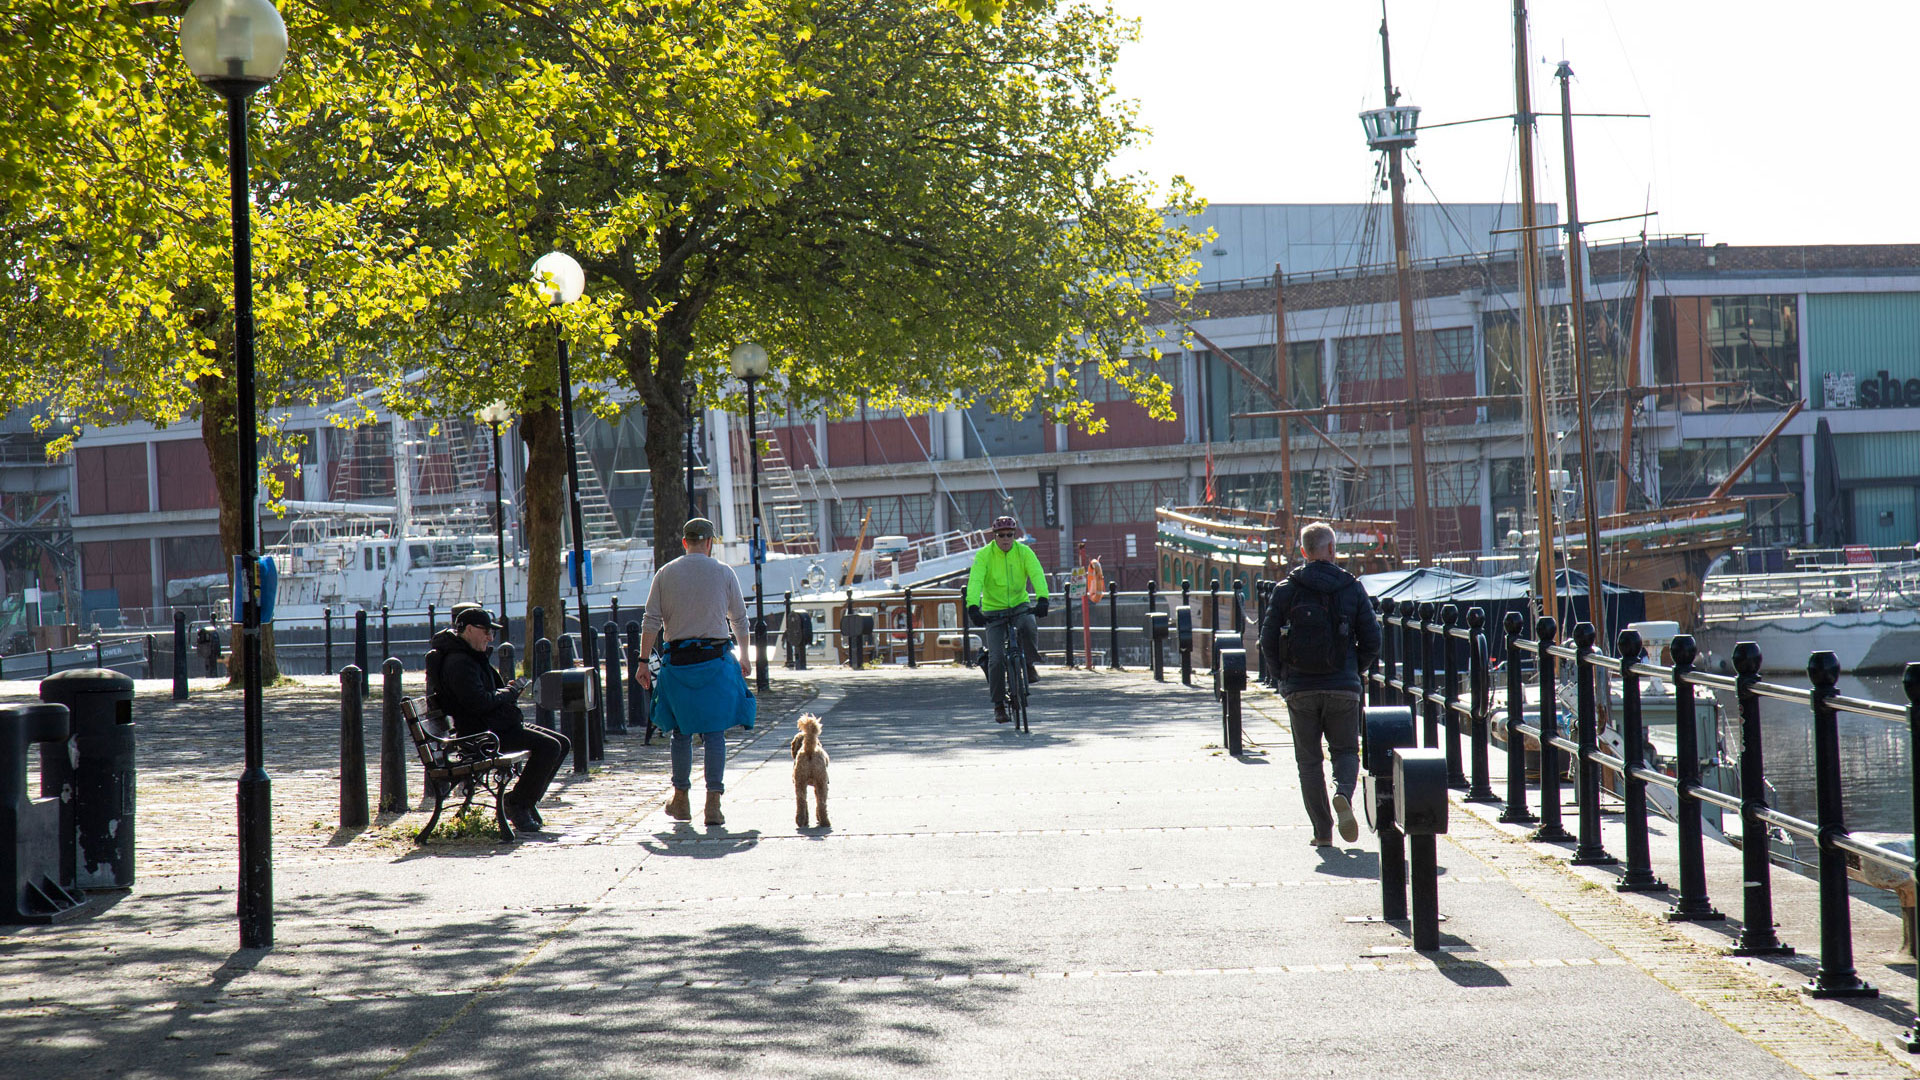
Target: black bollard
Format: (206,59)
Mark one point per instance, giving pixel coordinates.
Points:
(353,753)
(153,646)
(1633,732)
(1429,705)
(1516,812)
(1756,931)
(360,652)
(1066,620)
(179,656)
(326,621)
(636,694)
(433,620)
(394,741)
(1450,691)
(1551,830)
(1589,851)
(538,625)
(1692,906)
(1836,977)
(1233,677)
(786,629)
(912,660)
(504,661)
(614,682)
(1213,629)
(1183,629)
(541,662)
(1389,654)
(386,632)
(1480,687)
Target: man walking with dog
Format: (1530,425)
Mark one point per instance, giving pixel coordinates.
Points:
(997,587)
(1320,634)
(699,673)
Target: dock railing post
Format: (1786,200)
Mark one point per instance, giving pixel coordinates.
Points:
(1516,812)
(1633,732)
(1450,690)
(912,658)
(1388,652)
(360,659)
(1590,850)
(1551,829)
(394,740)
(1429,709)
(1836,976)
(326,621)
(1480,687)
(353,754)
(1757,937)
(1692,905)
(179,656)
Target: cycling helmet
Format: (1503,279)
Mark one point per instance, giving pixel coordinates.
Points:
(1005,521)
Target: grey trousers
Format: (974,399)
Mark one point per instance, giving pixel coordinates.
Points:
(1335,716)
(996,634)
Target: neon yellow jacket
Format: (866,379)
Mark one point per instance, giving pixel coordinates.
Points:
(999,579)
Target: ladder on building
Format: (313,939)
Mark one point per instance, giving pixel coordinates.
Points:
(789,518)
(596,510)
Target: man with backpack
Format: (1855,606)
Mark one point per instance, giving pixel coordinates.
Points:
(1320,634)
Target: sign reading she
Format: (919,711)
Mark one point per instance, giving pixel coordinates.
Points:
(1885,392)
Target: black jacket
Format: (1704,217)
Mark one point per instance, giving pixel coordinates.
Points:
(467,687)
(1350,601)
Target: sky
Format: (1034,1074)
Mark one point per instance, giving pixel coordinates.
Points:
(1770,122)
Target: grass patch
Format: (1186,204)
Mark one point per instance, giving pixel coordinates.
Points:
(476,825)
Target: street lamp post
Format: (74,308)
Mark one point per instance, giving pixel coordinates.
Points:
(750,363)
(494,416)
(560,279)
(235,47)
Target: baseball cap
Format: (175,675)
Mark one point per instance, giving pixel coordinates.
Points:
(698,529)
(475,616)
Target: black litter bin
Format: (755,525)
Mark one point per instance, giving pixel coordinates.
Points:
(36,889)
(95,779)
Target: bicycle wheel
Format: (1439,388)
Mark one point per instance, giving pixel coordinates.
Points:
(1017,688)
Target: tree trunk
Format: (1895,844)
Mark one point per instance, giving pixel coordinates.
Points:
(219,434)
(667,424)
(545,507)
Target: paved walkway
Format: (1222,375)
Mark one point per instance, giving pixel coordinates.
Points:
(1110,895)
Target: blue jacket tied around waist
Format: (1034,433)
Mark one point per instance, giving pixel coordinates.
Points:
(701,698)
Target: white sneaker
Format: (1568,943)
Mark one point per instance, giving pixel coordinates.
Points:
(1349,828)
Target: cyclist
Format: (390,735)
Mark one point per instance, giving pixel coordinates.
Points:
(997,586)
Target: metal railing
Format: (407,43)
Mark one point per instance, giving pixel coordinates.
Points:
(1418,649)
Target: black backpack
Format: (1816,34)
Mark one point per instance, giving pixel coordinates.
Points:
(1316,636)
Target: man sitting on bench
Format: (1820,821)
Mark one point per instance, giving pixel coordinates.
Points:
(477,699)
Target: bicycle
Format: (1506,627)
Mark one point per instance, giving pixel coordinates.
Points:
(1017,689)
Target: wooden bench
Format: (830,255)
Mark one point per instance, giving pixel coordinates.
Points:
(468,763)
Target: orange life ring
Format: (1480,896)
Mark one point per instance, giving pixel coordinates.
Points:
(1096,581)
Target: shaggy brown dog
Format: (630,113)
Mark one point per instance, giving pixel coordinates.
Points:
(809,767)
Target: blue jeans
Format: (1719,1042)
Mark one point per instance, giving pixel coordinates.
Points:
(680,753)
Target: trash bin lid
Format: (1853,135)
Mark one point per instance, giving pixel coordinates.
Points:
(70,684)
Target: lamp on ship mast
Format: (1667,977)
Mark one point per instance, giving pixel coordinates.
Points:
(1392,130)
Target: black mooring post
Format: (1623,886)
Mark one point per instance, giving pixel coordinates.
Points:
(1429,708)
(1693,905)
(913,660)
(1480,688)
(353,754)
(386,634)
(1113,629)
(579,727)
(1213,629)
(504,661)
(433,620)
(326,621)
(636,714)
(1424,877)
(1393,867)
(394,741)
(1409,688)
(615,708)
(538,665)
(1836,977)
(1589,851)
(786,629)
(1551,829)
(1633,731)
(361,653)
(1389,652)
(153,646)
(1516,812)
(537,629)
(1757,937)
(1450,691)
(179,656)
(1911,683)
(1066,620)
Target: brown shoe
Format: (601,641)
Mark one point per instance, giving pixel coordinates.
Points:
(1000,714)
(678,808)
(714,816)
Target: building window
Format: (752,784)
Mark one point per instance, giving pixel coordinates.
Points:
(977,509)
(1609,333)
(1699,465)
(1123,503)
(1748,345)
(885,515)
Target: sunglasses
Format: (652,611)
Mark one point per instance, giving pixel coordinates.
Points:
(1004,535)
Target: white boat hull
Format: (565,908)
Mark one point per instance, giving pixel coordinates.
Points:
(1863,641)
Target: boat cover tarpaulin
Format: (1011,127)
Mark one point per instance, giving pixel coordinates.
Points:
(1500,593)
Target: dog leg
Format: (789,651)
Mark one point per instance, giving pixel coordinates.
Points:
(800,804)
(820,804)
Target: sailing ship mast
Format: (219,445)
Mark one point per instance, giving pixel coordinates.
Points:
(1582,361)
(1532,339)
(1394,131)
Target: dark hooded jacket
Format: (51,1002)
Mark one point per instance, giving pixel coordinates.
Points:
(1349,601)
(467,688)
